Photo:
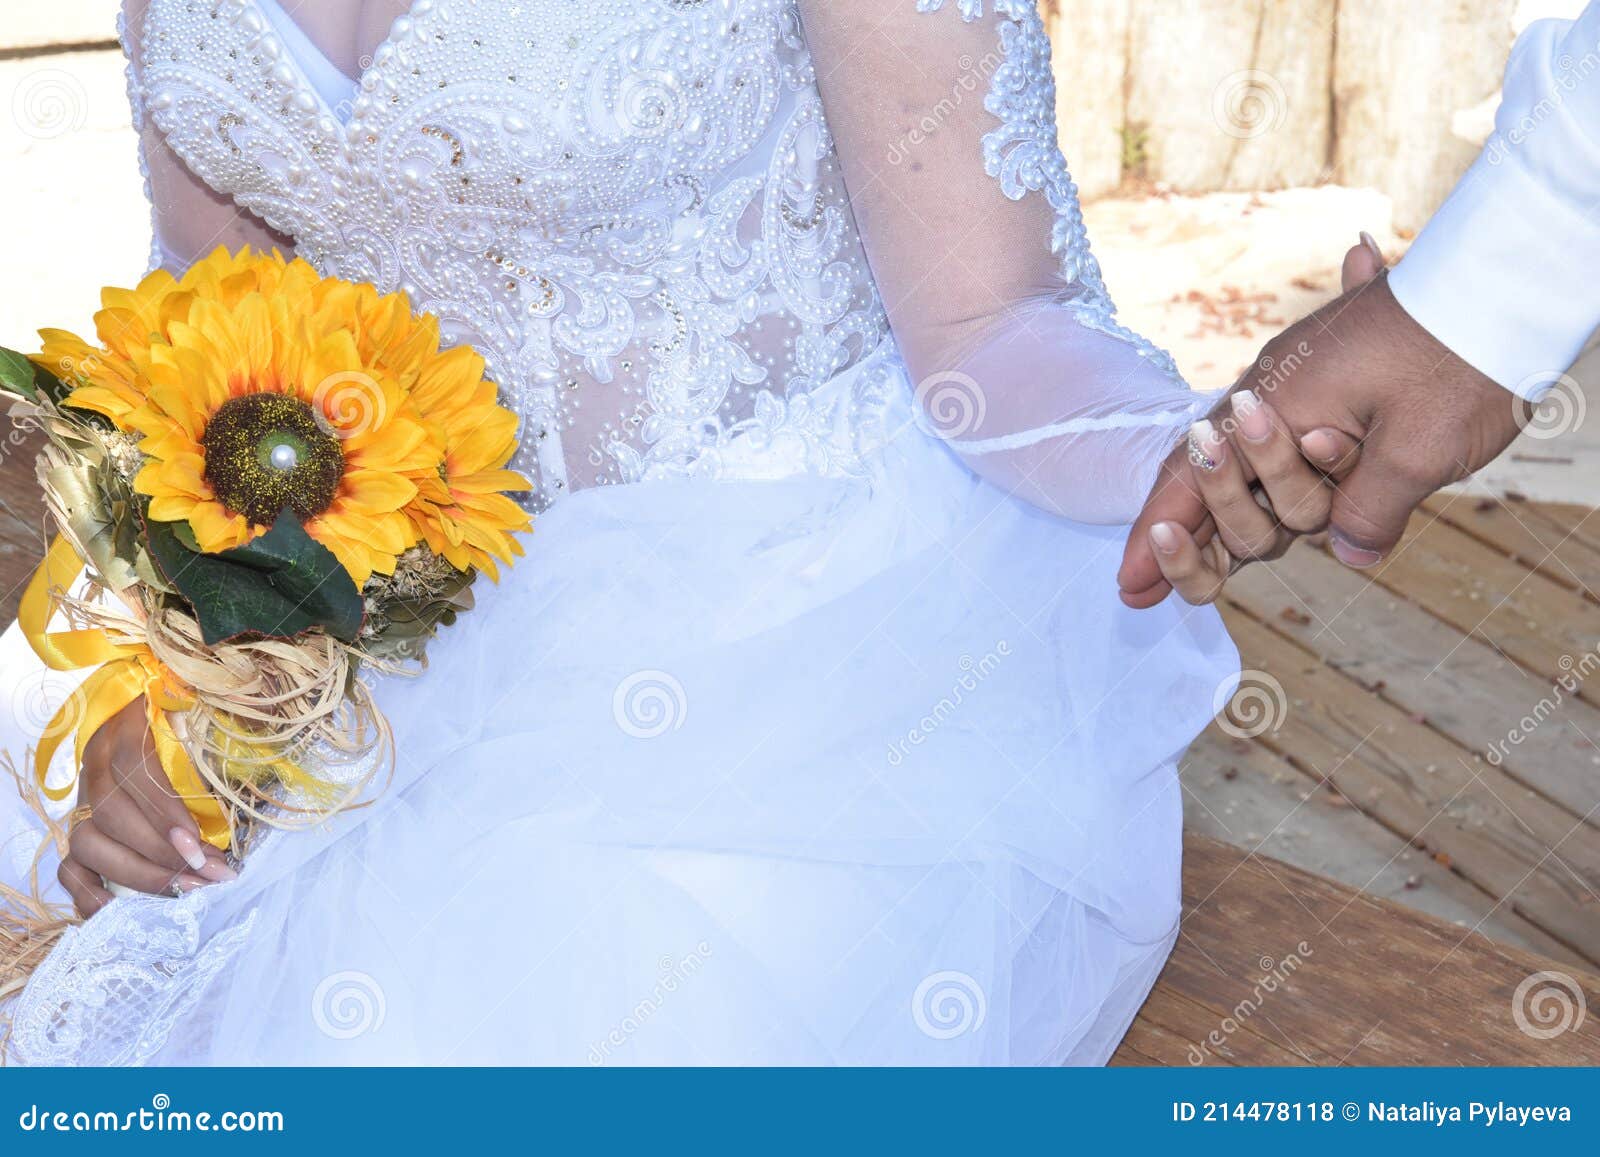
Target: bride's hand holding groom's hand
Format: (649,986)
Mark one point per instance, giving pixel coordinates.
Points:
(1241,489)
(1357,369)
(1257,491)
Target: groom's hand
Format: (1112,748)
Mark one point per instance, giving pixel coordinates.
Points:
(1362,366)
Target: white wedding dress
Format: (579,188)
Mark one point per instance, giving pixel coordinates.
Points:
(811,729)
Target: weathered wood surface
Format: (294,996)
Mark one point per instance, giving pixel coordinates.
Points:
(1516,845)
(1231,95)
(1543,625)
(1243,794)
(1451,683)
(1559,541)
(1276,966)
(1401,75)
(1205,95)
(1089,47)
(1451,699)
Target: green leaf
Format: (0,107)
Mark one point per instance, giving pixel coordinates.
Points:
(16,375)
(185,535)
(22,378)
(281,585)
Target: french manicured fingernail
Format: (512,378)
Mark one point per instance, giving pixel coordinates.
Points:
(186,885)
(1165,537)
(217,872)
(1372,245)
(1320,446)
(1206,449)
(188,847)
(1350,554)
(1253,421)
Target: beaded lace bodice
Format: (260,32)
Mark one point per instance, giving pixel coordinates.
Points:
(632,209)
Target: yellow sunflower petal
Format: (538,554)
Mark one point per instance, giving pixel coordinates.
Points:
(172,507)
(218,529)
(375,490)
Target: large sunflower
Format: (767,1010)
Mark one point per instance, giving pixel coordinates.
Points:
(257,385)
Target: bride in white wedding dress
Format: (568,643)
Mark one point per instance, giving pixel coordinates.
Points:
(811,729)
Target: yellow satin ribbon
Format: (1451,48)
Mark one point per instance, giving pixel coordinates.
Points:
(124,673)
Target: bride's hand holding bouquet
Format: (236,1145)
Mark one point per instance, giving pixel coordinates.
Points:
(263,481)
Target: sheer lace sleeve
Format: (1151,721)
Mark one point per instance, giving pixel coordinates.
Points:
(944,114)
(187,219)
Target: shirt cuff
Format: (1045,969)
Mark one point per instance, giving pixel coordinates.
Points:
(1504,275)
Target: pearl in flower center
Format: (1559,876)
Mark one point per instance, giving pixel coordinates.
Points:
(265,451)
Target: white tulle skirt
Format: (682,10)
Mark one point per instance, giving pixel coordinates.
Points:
(869,770)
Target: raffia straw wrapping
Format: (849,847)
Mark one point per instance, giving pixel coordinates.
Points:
(259,705)
(274,701)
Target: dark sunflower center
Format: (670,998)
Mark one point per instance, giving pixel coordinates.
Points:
(268,451)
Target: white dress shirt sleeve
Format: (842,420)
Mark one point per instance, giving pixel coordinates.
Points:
(1507,274)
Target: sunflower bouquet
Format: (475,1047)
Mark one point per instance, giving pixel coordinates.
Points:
(264,481)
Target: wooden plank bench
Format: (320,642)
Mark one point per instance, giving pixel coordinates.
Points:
(1374,774)
(1276,966)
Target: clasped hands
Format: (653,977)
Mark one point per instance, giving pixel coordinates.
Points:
(1347,421)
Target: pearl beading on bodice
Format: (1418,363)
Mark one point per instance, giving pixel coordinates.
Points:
(632,209)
